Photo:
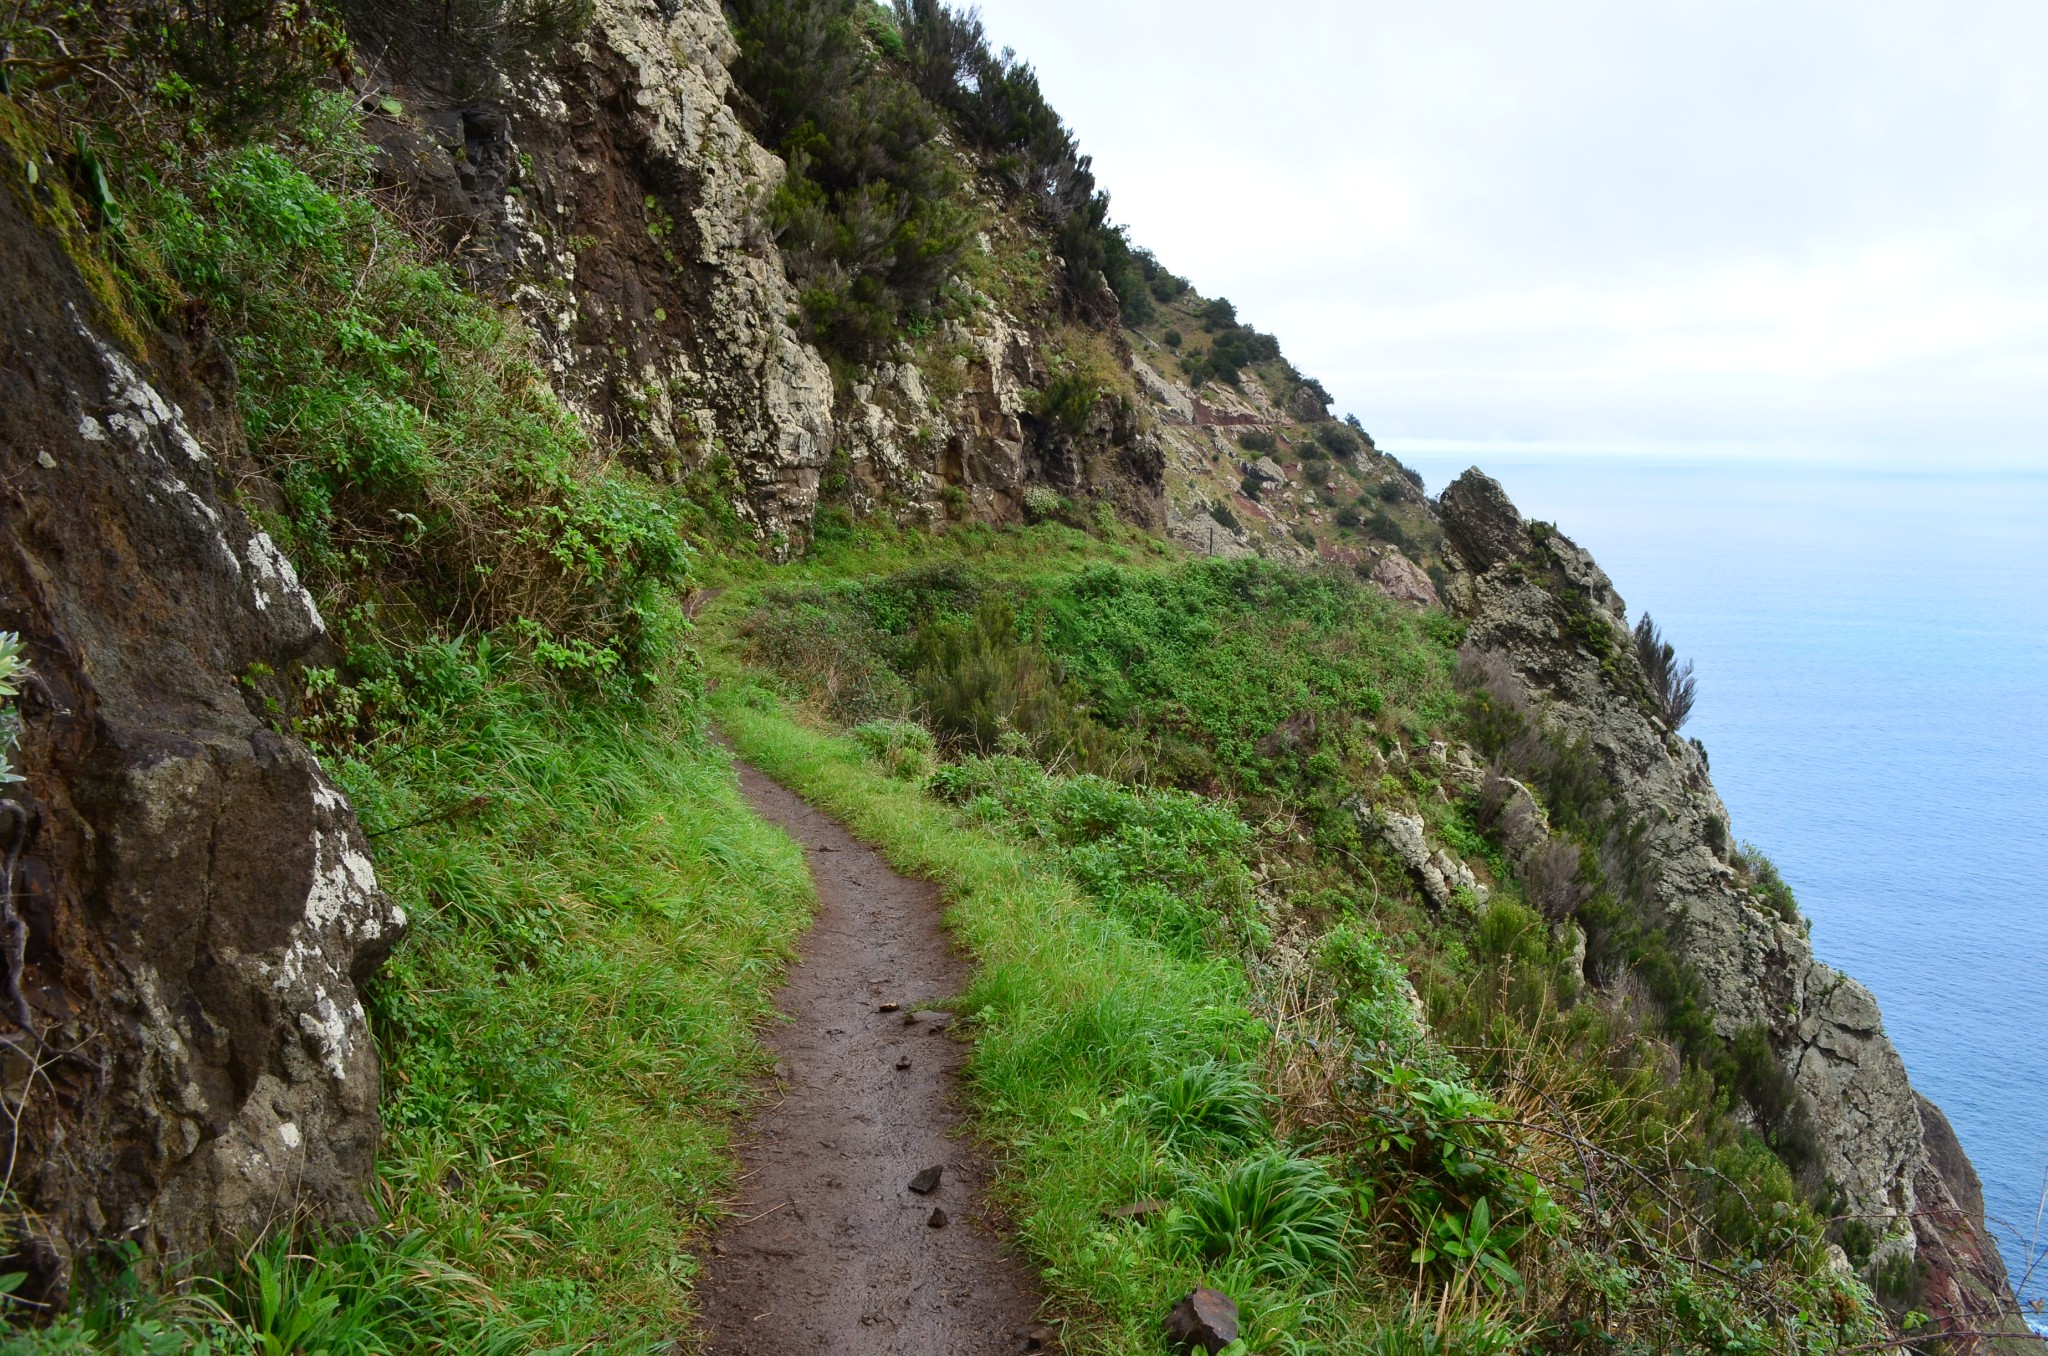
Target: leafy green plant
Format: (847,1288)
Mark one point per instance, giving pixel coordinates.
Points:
(12,666)
(904,747)
(1206,1103)
(1472,1248)
(430,477)
(1276,1214)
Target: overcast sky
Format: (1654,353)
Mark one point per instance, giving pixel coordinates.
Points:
(1725,227)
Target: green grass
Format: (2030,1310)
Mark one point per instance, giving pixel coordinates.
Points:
(567,1034)
(567,1030)
(1109,1066)
(1070,1011)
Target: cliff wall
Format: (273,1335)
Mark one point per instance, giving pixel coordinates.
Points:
(612,191)
(1541,603)
(189,904)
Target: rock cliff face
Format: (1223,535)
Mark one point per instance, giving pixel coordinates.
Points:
(612,192)
(188,903)
(1538,601)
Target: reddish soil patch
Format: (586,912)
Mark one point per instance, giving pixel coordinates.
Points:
(832,1250)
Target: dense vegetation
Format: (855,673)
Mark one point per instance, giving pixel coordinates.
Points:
(1532,1167)
(870,218)
(595,918)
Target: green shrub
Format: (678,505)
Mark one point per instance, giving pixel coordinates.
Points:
(431,479)
(837,655)
(1338,441)
(1274,1215)
(1206,1104)
(1373,987)
(903,747)
(1257,443)
(1764,881)
(869,214)
(977,680)
(12,667)
(1068,401)
(1172,338)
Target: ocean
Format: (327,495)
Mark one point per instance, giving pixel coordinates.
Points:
(1872,654)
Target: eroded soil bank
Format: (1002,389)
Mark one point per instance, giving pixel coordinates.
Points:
(832,1251)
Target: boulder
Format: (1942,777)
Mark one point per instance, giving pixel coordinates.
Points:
(1482,523)
(1403,580)
(1308,404)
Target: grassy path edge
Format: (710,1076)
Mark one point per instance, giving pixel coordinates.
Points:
(1069,1011)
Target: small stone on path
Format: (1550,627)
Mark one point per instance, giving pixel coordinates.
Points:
(1204,1320)
(937,1219)
(926,1182)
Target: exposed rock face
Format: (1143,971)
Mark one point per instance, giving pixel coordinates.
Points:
(1403,580)
(615,196)
(613,193)
(183,1037)
(1540,602)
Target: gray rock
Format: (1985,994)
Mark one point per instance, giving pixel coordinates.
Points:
(1403,580)
(1482,522)
(1306,404)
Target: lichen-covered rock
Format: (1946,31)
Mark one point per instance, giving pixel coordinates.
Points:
(1538,601)
(1403,580)
(183,1040)
(614,195)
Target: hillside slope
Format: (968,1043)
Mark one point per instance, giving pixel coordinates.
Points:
(385,395)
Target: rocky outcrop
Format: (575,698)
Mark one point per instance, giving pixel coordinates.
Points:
(190,901)
(1539,602)
(612,192)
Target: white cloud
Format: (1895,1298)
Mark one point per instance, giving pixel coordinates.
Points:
(1703,222)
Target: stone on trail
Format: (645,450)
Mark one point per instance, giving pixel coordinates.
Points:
(926,1182)
(1039,1337)
(937,1219)
(1204,1320)
(903,1063)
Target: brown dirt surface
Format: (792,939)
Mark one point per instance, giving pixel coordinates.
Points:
(831,1251)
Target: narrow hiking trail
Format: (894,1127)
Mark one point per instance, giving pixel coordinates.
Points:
(833,1251)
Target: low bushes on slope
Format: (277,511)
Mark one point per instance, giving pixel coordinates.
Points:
(1538,1165)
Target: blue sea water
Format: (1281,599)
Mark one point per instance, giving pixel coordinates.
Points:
(1872,655)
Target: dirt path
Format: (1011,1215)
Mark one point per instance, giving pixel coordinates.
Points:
(833,1252)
